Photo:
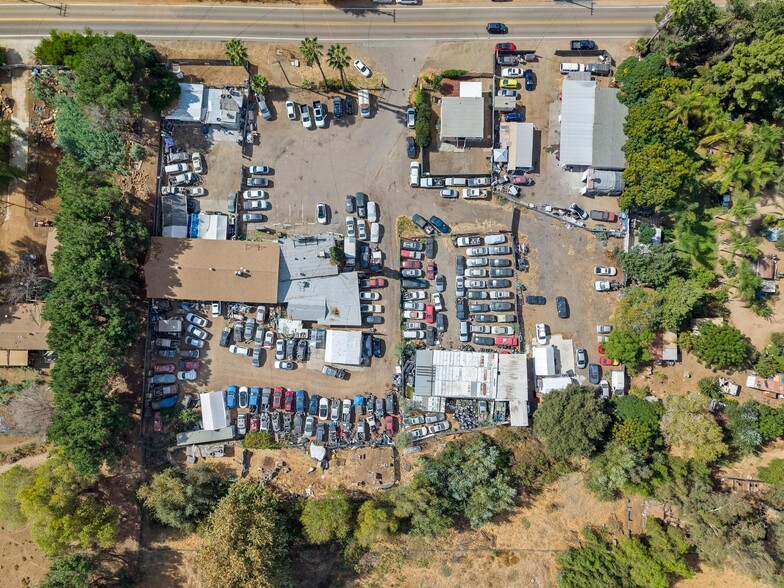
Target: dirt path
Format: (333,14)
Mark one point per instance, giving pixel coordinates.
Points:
(26,462)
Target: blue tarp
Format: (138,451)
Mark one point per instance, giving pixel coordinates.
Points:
(193,226)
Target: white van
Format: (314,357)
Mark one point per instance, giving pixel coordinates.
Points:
(177,157)
(456,182)
(464,332)
(413,334)
(375,232)
(176,168)
(414,174)
(567,68)
(372,211)
(495,239)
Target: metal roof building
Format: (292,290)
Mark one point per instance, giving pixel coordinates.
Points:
(214,414)
(544,361)
(456,374)
(513,387)
(520,140)
(223,108)
(578,107)
(329,300)
(213,226)
(608,135)
(174,208)
(306,257)
(462,119)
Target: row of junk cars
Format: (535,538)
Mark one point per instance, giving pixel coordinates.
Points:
(295,415)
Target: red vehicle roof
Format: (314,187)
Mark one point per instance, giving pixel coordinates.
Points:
(506,340)
(430,314)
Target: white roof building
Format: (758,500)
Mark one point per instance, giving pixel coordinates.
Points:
(544,361)
(513,387)
(578,107)
(213,226)
(214,414)
(462,119)
(519,139)
(343,347)
(470,89)
(189,105)
(223,108)
(553,383)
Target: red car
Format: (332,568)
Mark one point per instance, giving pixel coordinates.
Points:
(600,349)
(430,314)
(389,422)
(522,181)
(189,365)
(605,360)
(373,283)
(289,405)
(430,272)
(165,368)
(157,422)
(277,396)
(411,264)
(504,47)
(254,422)
(410,254)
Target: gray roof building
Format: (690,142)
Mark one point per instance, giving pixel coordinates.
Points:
(608,135)
(174,208)
(462,119)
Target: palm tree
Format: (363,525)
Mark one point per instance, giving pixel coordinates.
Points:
(744,245)
(236,52)
(338,58)
(311,53)
(259,84)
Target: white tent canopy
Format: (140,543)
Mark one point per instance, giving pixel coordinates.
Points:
(213,411)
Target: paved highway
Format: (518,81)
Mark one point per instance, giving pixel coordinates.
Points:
(385,22)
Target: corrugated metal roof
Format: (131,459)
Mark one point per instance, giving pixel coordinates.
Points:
(308,309)
(189,104)
(608,135)
(174,208)
(306,257)
(544,361)
(462,118)
(344,347)
(578,99)
(513,386)
(521,146)
(456,374)
(213,411)
(338,297)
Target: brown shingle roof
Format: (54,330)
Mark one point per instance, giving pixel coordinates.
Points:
(22,327)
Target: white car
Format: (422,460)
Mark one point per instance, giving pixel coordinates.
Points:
(198,163)
(259,170)
(280,349)
(414,326)
(310,426)
(321,213)
(414,315)
(507,93)
(372,212)
(255,195)
(411,118)
(474,193)
(242,423)
(362,68)
(438,302)
(476,283)
(604,271)
(256,205)
(418,433)
(500,294)
(476,262)
(269,340)
(197,320)
(375,232)
(449,193)
(197,332)
(410,305)
(601,286)
(369,296)
(188,376)
(603,328)
(476,272)
(351,227)
(438,427)
(512,72)
(362,229)
(194,192)
(291,111)
(284,365)
(476,251)
(304,115)
(323,408)
(239,350)
(216,309)
(541,333)
(502,330)
(414,295)
(481,329)
(370,308)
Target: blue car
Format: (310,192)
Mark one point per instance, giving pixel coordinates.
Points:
(439,224)
(359,400)
(314,404)
(337,107)
(515,117)
(300,399)
(253,399)
(530,81)
(231,396)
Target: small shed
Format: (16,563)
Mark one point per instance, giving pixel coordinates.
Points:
(462,119)
(544,361)
(214,414)
(343,347)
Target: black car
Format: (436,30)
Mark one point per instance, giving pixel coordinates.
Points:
(430,248)
(349,204)
(430,336)
(439,224)
(501,273)
(411,147)
(501,306)
(496,28)
(291,345)
(349,106)
(479,307)
(582,358)
(314,404)
(302,350)
(377,347)
(462,309)
(530,80)
(225,337)
(441,322)
(535,300)
(321,433)
(562,306)
(460,265)
(364,257)
(362,201)
(414,284)
(479,340)
(419,221)
(337,106)
(594,373)
(583,45)
(372,319)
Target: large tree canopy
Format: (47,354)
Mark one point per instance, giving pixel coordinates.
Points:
(691,430)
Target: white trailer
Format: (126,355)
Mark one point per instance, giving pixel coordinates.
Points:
(618,382)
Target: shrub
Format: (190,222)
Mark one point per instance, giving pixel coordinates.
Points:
(453,73)
(260,440)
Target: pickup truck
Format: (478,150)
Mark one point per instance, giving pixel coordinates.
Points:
(583,45)
(506,59)
(475,182)
(363,97)
(471,241)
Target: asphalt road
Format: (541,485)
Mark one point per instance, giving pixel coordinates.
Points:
(383,23)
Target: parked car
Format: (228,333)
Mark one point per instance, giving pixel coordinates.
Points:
(334,372)
(474,193)
(196,320)
(594,373)
(196,332)
(419,221)
(361,201)
(284,365)
(322,214)
(541,333)
(239,350)
(530,80)
(604,271)
(604,328)
(304,115)
(256,205)
(514,116)
(438,427)
(603,216)
(350,106)
(164,368)
(362,68)
(259,170)
(601,286)
(257,182)
(193,342)
(562,307)
(411,148)
(440,225)
(578,211)
(537,300)
(582,358)
(410,117)
(337,106)
(582,45)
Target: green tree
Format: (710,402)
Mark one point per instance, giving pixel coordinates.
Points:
(691,430)
(181,499)
(11,482)
(375,522)
(310,49)
(637,77)
(246,540)
(338,58)
(638,313)
(773,474)
(112,71)
(421,507)
(259,84)
(626,348)
(571,421)
(656,177)
(616,470)
(65,48)
(743,427)
(770,422)
(66,510)
(680,300)
(687,31)
(236,52)
(329,518)
(164,90)
(71,571)
(654,265)
(721,346)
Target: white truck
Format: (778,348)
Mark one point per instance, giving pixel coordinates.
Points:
(350,249)
(363,97)
(618,382)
